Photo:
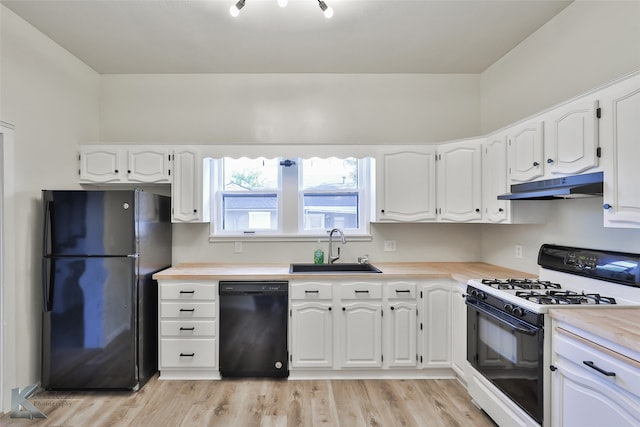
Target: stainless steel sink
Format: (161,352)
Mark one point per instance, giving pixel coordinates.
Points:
(334,268)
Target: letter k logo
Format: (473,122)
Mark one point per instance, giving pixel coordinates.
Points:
(21,407)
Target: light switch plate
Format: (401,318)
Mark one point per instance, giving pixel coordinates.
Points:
(389,245)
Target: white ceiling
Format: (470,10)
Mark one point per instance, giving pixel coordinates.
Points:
(364,36)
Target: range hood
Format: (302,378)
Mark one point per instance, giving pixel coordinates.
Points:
(587,185)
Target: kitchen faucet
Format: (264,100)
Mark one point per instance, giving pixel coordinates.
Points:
(332,258)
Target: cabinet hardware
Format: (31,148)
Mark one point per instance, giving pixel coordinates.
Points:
(598,112)
(602,371)
(536,164)
(606,206)
(187,354)
(311,292)
(403,291)
(599,152)
(549,161)
(187,292)
(500,210)
(188,309)
(187,329)
(362,292)
(329,308)
(553,368)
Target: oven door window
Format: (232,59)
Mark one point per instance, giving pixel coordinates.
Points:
(509,354)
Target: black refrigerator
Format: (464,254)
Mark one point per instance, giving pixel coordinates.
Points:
(100,317)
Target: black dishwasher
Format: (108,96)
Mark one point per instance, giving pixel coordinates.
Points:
(253,328)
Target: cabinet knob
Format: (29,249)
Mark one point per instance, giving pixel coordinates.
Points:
(549,161)
(500,210)
(115,171)
(195,210)
(606,206)
(128,171)
(536,164)
(344,309)
(477,210)
(393,308)
(382,210)
(329,308)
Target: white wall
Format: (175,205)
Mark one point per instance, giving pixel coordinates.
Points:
(586,45)
(52,100)
(289,108)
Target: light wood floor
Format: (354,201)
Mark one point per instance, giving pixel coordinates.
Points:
(264,403)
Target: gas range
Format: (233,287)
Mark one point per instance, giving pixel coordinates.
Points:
(509,339)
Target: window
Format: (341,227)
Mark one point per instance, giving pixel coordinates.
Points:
(291,197)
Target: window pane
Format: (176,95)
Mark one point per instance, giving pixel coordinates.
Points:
(329,174)
(249,212)
(327,210)
(250,174)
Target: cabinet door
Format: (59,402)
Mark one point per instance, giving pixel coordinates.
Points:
(525,152)
(361,335)
(494,179)
(407,186)
(311,335)
(620,133)
(460,181)
(100,164)
(190,189)
(400,334)
(436,325)
(573,138)
(148,164)
(459,331)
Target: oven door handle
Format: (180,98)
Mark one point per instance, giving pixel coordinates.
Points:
(496,316)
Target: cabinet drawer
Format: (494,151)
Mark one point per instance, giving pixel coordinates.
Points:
(188,291)
(311,290)
(196,328)
(627,375)
(401,290)
(188,353)
(361,290)
(187,310)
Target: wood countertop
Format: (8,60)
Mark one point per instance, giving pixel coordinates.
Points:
(459,271)
(618,325)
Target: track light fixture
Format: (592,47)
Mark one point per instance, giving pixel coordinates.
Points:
(235,9)
(328,11)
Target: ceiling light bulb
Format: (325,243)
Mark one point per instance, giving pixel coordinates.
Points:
(235,9)
(282,3)
(328,12)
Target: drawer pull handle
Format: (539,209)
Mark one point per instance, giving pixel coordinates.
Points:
(602,371)
(187,329)
(311,292)
(406,291)
(188,309)
(362,292)
(187,354)
(187,292)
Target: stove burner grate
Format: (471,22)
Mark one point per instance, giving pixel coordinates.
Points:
(515,284)
(564,297)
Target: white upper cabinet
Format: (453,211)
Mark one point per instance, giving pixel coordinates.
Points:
(190,192)
(112,164)
(460,181)
(620,141)
(525,151)
(494,179)
(407,185)
(572,138)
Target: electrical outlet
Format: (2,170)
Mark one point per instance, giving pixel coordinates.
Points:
(389,245)
(237,247)
(518,251)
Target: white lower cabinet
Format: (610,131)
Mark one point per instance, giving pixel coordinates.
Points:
(360,325)
(459,331)
(435,324)
(311,326)
(188,330)
(591,384)
(341,327)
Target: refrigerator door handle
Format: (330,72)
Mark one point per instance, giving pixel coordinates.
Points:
(46,263)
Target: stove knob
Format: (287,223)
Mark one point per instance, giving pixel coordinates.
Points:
(508,308)
(482,295)
(518,312)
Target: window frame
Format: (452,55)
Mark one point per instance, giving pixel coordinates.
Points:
(290,204)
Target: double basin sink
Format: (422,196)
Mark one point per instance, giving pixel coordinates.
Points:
(333,268)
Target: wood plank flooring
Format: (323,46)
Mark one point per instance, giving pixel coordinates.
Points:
(263,403)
